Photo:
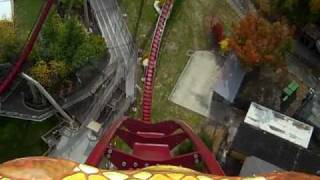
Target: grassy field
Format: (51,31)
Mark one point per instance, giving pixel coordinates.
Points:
(186,30)
(26,13)
(22,138)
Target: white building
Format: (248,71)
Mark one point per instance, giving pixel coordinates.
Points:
(6,10)
(279,125)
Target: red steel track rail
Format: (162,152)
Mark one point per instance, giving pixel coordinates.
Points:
(174,133)
(155,46)
(17,67)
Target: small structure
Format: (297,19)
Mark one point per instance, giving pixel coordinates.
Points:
(6,10)
(289,94)
(94,126)
(279,125)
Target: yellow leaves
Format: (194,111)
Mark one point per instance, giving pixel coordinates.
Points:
(41,72)
(225,45)
(7,27)
(49,73)
(314,6)
(8,40)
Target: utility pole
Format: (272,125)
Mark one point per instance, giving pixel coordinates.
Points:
(71,122)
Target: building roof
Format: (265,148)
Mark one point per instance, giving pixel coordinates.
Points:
(6,10)
(313,31)
(251,141)
(279,125)
(230,78)
(311,112)
(253,166)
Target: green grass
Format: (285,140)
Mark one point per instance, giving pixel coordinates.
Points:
(21,138)
(186,30)
(26,13)
(140,23)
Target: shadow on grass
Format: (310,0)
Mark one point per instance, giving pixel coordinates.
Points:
(20,138)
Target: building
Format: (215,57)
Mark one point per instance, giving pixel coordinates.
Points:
(230,79)
(276,139)
(251,141)
(6,10)
(279,125)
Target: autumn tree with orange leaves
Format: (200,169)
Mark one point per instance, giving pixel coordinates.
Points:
(257,42)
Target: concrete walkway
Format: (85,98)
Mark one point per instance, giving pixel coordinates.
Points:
(195,85)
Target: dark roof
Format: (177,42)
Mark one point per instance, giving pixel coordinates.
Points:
(253,142)
(313,31)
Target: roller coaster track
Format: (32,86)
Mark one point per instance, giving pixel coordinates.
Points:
(17,67)
(154,52)
(151,144)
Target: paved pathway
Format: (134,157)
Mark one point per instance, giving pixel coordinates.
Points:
(195,85)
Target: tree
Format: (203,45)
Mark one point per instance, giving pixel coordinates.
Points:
(48,73)
(315,6)
(49,44)
(93,47)
(257,41)
(63,48)
(9,43)
(42,73)
(224,46)
(71,36)
(68,41)
(68,5)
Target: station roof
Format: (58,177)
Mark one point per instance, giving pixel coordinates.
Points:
(6,10)
(250,141)
(279,125)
